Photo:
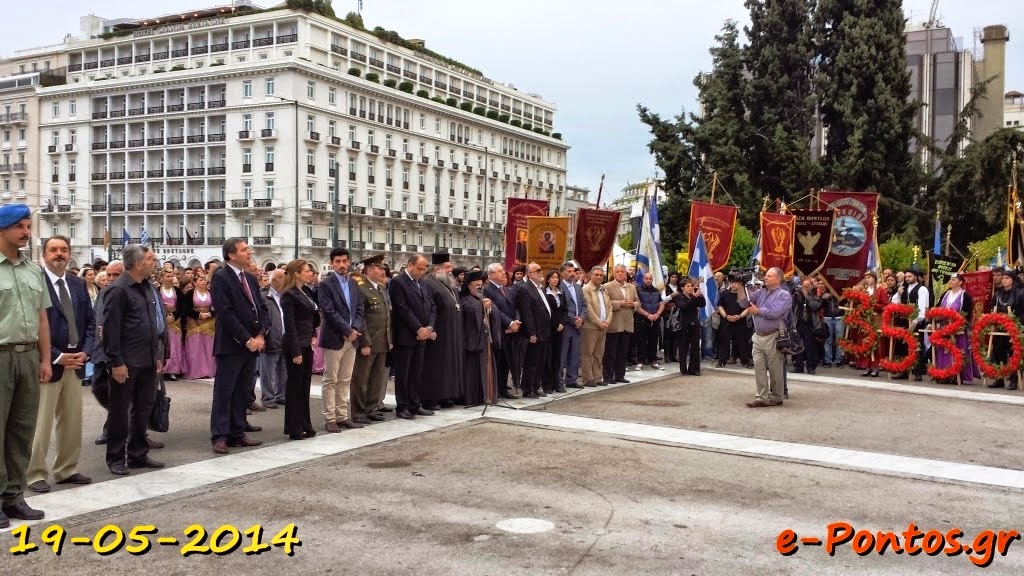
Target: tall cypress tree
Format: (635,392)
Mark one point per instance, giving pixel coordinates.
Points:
(779,96)
(863,88)
(679,161)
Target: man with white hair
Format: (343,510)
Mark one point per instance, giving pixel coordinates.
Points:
(624,300)
(770,308)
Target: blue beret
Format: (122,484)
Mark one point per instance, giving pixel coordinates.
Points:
(11,214)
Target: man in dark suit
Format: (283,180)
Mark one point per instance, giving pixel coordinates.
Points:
(535,313)
(242,324)
(72,331)
(575,313)
(342,309)
(273,363)
(412,317)
(505,313)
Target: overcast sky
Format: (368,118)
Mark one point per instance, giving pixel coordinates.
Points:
(596,59)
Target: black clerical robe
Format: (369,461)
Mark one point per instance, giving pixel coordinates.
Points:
(443,357)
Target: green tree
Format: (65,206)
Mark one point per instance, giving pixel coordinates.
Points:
(863,90)
(897,254)
(779,97)
(676,156)
(985,250)
(626,242)
(742,247)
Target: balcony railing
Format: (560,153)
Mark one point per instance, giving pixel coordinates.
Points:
(196,105)
(175,172)
(379,212)
(92,65)
(136,111)
(245,135)
(239,44)
(160,55)
(339,49)
(359,210)
(175,205)
(315,136)
(216,137)
(99,175)
(268,167)
(117,207)
(262,42)
(396,214)
(216,205)
(75,67)
(142,58)
(118,113)
(263,203)
(136,143)
(196,138)
(196,205)
(196,171)
(261,240)
(409,74)
(246,168)
(176,107)
(334,141)
(115,144)
(52,149)
(219,47)
(377,63)
(136,174)
(319,242)
(154,205)
(243,203)
(179,53)
(117,175)
(216,103)
(195,240)
(310,169)
(216,170)
(358,56)
(394,69)
(138,207)
(267,133)
(155,142)
(175,139)
(155,173)
(319,205)
(99,115)
(106,63)
(286,38)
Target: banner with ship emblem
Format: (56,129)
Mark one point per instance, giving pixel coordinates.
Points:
(777,241)
(717,223)
(595,236)
(813,240)
(853,231)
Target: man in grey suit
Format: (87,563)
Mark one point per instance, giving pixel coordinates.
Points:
(575,312)
(273,364)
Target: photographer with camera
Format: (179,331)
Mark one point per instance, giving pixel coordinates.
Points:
(770,307)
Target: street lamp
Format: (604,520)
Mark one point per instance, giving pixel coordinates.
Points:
(483,221)
(296,103)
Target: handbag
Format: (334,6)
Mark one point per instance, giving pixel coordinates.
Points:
(160,418)
(822,332)
(789,341)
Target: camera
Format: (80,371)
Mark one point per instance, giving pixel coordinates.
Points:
(748,276)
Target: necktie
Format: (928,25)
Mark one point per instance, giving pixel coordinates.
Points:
(245,287)
(502,288)
(69,313)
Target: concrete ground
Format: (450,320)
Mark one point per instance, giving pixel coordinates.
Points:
(430,502)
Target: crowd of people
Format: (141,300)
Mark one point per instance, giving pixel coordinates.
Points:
(447,336)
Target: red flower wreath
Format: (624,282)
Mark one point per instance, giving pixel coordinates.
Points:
(859,317)
(984,326)
(898,333)
(949,323)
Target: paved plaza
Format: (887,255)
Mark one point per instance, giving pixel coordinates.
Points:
(667,475)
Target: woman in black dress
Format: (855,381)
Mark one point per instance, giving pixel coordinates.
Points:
(301,319)
(558,304)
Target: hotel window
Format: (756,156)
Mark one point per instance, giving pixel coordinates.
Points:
(310,123)
(369,137)
(309,191)
(310,158)
(351,133)
(270,121)
(268,188)
(56,109)
(247,228)
(332,96)
(270,86)
(247,122)
(73,107)
(270,155)
(269,225)
(247,190)
(309,228)
(423,121)
(247,156)
(311,90)
(72,136)
(247,89)
(331,128)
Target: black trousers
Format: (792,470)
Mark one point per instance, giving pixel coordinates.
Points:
(688,349)
(647,335)
(296,395)
(408,363)
(552,361)
(809,357)
(231,389)
(501,370)
(1000,354)
(634,343)
(616,350)
(534,363)
(671,353)
(900,350)
(129,409)
(734,342)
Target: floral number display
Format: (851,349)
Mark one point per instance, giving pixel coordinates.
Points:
(859,320)
(949,322)
(983,327)
(898,333)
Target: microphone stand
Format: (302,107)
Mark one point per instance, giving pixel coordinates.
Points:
(490,389)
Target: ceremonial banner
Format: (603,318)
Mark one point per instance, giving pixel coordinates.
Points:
(1014,227)
(546,240)
(519,210)
(940,268)
(777,241)
(595,236)
(851,240)
(813,240)
(979,286)
(716,222)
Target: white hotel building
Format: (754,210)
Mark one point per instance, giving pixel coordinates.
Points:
(235,126)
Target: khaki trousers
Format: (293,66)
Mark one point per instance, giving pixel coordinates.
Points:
(369,382)
(592,361)
(337,382)
(19,407)
(60,407)
(767,368)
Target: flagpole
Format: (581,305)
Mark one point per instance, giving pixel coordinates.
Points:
(640,232)
(600,189)
(949,233)
(714,185)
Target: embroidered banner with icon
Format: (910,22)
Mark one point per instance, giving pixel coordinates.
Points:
(777,241)
(516,230)
(813,240)
(852,233)
(595,236)
(716,222)
(546,240)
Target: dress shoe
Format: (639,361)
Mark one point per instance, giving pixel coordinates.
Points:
(509,396)
(120,469)
(796,370)
(77,479)
(146,462)
(811,371)
(590,385)
(256,407)
(785,395)
(775,402)
(446,404)
(22,511)
(351,425)
(866,373)
(270,405)
(375,417)
(296,436)
(251,428)
(720,365)
(838,365)
(997,384)
(423,412)
(531,396)
(406,415)
(561,390)
(917,378)
(39,486)
(386,409)
(153,444)
(219,447)
(621,381)
(101,439)
(332,427)
(432,407)
(757,404)
(826,365)
(362,420)
(542,394)
(901,377)
(4,521)
(574,385)
(244,442)
(309,433)
(732,361)
(604,382)
(1012,386)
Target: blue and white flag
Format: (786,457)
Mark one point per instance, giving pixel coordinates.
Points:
(701,272)
(648,256)
(126,238)
(874,258)
(144,239)
(999,259)
(937,242)
(756,259)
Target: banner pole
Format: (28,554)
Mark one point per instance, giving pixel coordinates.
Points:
(714,185)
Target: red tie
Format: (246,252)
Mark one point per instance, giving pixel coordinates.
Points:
(245,286)
(503,291)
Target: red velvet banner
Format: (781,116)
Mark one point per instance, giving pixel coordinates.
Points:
(777,232)
(979,286)
(517,231)
(716,222)
(595,236)
(852,233)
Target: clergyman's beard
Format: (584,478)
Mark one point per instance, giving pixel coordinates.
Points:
(447,279)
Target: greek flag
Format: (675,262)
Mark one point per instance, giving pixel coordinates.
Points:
(648,256)
(126,238)
(144,240)
(756,259)
(937,242)
(701,272)
(999,259)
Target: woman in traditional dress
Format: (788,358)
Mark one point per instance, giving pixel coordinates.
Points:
(880,297)
(201,323)
(172,300)
(301,319)
(1006,300)
(669,339)
(558,304)
(475,330)
(957,299)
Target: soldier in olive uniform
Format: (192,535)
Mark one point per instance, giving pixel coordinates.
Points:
(24,358)
(370,376)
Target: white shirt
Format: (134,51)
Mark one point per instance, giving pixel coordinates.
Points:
(922,300)
(601,304)
(53,280)
(543,298)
